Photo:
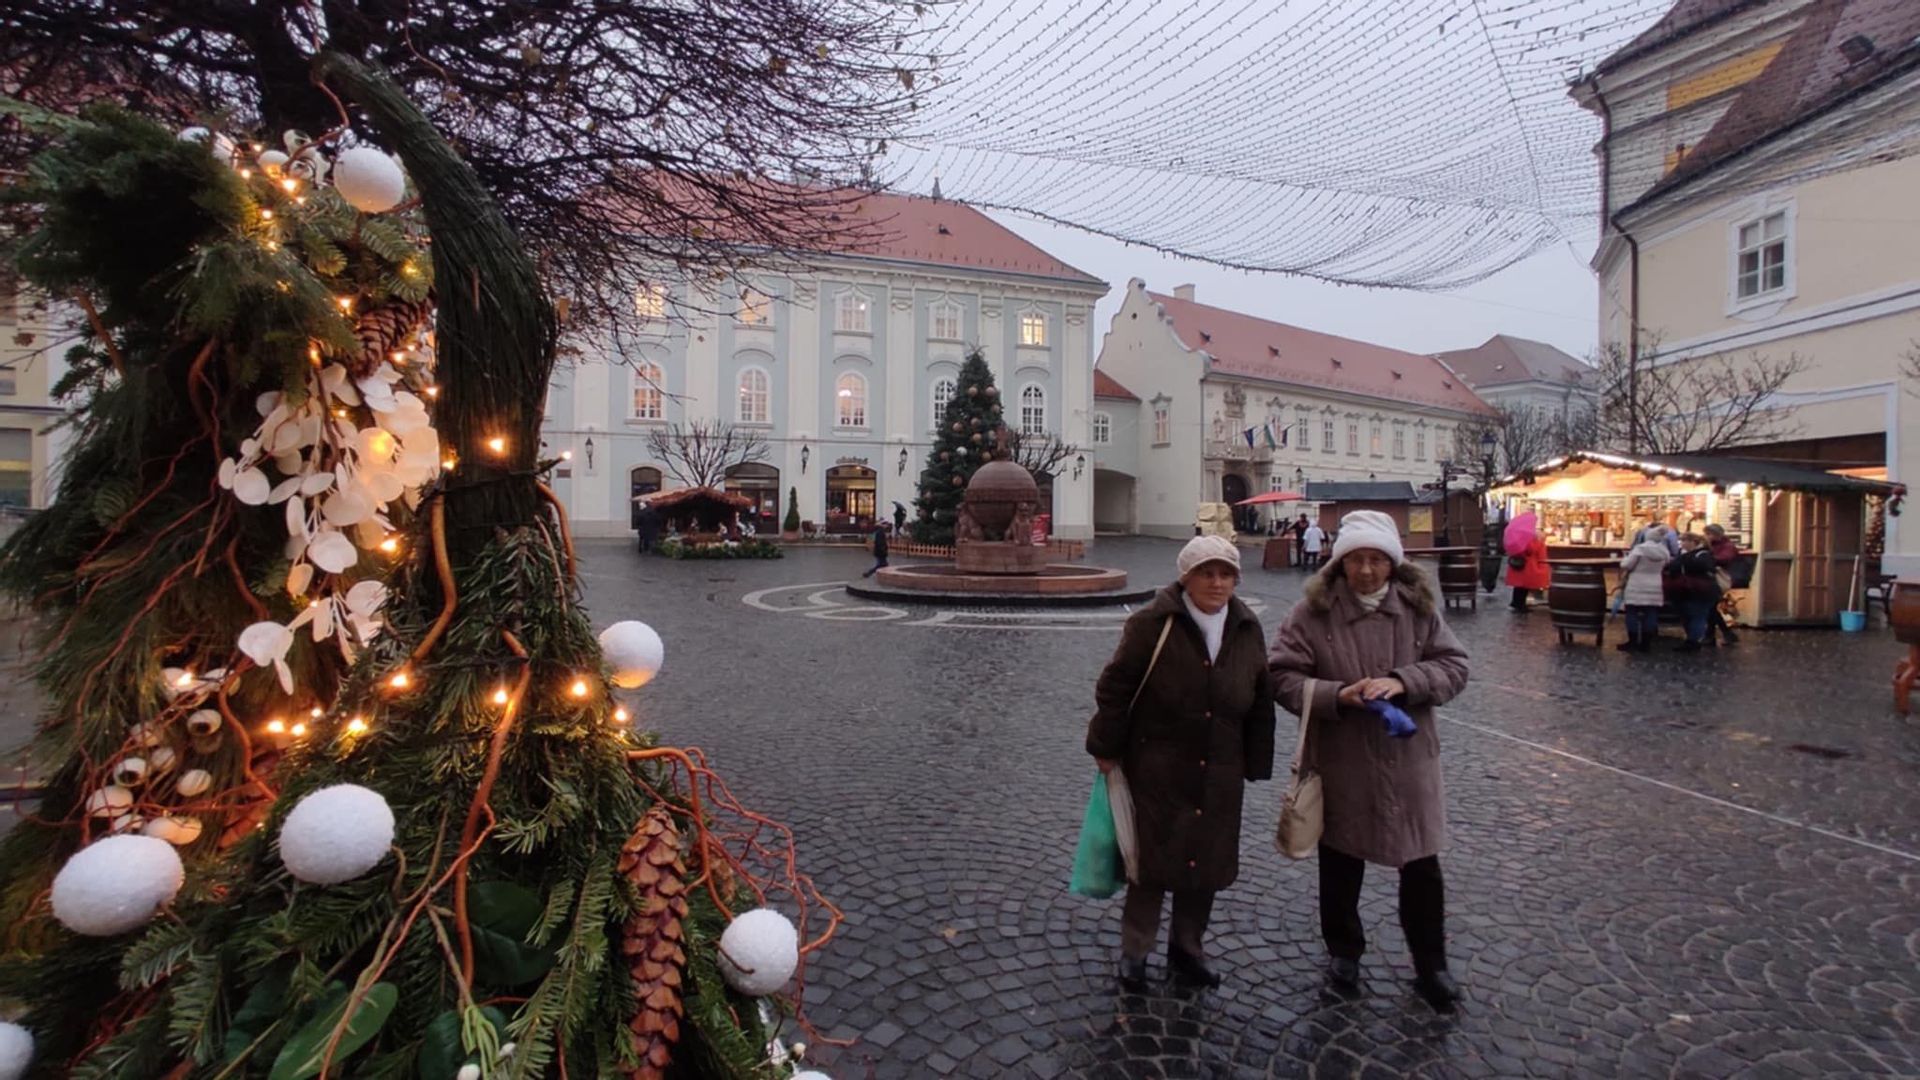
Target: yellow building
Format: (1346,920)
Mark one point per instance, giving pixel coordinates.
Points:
(1759,179)
(32,344)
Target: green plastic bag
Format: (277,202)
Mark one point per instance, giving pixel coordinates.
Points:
(1098,870)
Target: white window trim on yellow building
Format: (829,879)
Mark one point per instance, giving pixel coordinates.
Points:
(1766,301)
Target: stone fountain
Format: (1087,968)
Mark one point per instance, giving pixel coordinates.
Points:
(995,559)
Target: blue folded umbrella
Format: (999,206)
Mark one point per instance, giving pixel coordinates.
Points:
(1399,724)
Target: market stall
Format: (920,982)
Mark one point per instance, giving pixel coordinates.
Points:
(1805,529)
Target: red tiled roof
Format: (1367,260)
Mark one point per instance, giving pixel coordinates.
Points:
(1244,345)
(942,232)
(1504,359)
(1809,75)
(1105,385)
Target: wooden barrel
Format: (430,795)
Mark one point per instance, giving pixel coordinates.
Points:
(1459,578)
(1577,598)
(1904,612)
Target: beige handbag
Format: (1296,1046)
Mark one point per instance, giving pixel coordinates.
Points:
(1301,820)
(1119,795)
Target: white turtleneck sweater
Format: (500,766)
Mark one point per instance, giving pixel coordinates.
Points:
(1212,627)
(1371,601)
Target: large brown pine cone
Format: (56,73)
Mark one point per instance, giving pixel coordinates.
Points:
(383,330)
(654,939)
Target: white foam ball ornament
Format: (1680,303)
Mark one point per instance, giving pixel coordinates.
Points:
(369,180)
(336,834)
(759,952)
(811,1074)
(16,1051)
(634,651)
(116,884)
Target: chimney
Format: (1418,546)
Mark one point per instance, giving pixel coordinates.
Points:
(1183,292)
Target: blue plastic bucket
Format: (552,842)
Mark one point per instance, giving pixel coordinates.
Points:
(1853,621)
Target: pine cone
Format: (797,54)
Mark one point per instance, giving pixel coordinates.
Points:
(653,941)
(383,330)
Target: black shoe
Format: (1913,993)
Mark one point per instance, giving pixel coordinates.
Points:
(1344,973)
(1133,975)
(1191,971)
(1438,989)
(1627,646)
(1689,646)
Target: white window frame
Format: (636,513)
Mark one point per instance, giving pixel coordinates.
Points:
(1399,442)
(742,400)
(1420,444)
(756,308)
(852,313)
(1032,327)
(650,301)
(850,411)
(1303,420)
(945,312)
(1029,393)
(1102,428)
(648,398)
(1376,441)
(1327,443)
(1163,423)
(1353,438)
(1787,240)
(940,398)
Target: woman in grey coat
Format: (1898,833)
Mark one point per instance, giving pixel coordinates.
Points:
(1369,628)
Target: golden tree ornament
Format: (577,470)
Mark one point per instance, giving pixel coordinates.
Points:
(654,939)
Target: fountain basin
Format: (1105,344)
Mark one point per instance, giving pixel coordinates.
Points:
(1052,585)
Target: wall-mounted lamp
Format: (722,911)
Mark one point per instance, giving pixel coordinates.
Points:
(804,455)
(903,462)
(1299,479)
(1079,465)
(589,450)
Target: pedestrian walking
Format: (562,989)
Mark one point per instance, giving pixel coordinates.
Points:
(899,518)
(1692,589)
(1643,589)
(879,549)
(1312,539)
(1726,556)
(1184,710)
(1370,630)
(1527,568)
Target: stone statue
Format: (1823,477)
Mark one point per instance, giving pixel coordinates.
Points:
(967,527)
(1020,530)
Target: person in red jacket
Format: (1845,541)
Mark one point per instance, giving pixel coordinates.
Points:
(1532,572)
(1725,554)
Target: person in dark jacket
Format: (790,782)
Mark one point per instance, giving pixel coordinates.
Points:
(1691,588)
(879,548)
(1201,727)
(1725,554)
(899,519)
(649,522)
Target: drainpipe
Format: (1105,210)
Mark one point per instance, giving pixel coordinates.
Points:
(1612,220)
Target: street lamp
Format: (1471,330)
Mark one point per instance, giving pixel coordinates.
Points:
(1488,444)
(804,454)
(903,462)
(589,449)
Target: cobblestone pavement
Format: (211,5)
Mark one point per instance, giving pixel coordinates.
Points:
(1664,865)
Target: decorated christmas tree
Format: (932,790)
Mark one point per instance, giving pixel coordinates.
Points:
(969,437)
(320,692)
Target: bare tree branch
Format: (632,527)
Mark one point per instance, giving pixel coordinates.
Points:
(1693,404)
(700,453)
(1040,453)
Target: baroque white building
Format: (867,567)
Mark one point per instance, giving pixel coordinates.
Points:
(842,367)
(1179,383)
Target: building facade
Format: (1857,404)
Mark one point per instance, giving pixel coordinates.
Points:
(842,366)
(1201,377)
(1758,175)
(1514,373)
(33,345)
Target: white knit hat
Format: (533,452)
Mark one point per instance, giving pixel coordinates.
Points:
(1369,529)
(1206,549)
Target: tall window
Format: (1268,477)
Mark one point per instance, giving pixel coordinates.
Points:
(850,400)
(1162,426)
(756,308)
(1033,410)
(942,396)
(1102,429)
(1420,445)
(1374,444)
(851,314)
(1353,437)
(946,320)
(754,397)
(1326,435)
(650,301)
(1301,429)
(1399,441)
(647,380)
(1763,256)
(1033,328)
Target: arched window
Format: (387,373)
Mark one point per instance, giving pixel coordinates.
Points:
(943,390)
(1033,410)
(647,381)
(1102,429)
(754,396)
(850,400)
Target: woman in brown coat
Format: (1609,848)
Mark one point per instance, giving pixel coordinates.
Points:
(1370,628)
(1201,728)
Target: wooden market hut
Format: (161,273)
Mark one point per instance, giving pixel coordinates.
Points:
(1805,530)
(1338,498)
(697,511)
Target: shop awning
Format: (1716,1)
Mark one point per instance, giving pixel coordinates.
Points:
(1717,471)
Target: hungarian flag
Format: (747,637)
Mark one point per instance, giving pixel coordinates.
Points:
(1274,443)
(1249,436)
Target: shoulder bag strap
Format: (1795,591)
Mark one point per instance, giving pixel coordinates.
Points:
(1165,629)
(1307,690)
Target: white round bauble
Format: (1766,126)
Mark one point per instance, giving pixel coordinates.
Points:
(634,652)
(193,782)
(271,162)
(145,735)
(116,884)
(759,952)
(336,834)
(469,1071)
(369,180)
(196,133)
(110,801)
(178,831)
(16,1051)
(811,1074)
(204,721)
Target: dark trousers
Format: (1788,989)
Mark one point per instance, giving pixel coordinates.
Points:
(1140,921)
(1520,598)
(878,562)
(1423,908)
(1695,612)
(1717,624)
(1643,623)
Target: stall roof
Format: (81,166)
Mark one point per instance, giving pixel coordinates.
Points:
(1713,469)
(1361,491)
